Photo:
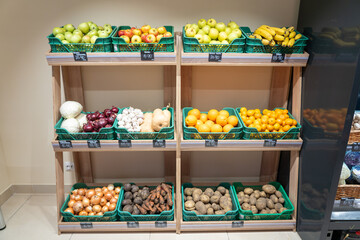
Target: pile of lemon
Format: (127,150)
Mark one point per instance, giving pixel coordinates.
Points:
(269,121)
(213,121)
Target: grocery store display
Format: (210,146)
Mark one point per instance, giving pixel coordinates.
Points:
(276,124)
(91,204)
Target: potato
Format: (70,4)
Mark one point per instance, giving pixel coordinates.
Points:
(282,209)
(270,189)
(208,205)
(278,194)
(227,191)
(245,206)
(274,198)
(263,194)
(224,202)
(264,211)
(209,192)
(215,199)
(278,206)
(221,189)
(241,200)
(190,205)
(220,212)
(196,191)
(241,194)
(216,207)
(256,194)
(197,213)
(200,207)
(252,200)
(254,210)
(189,198)
(248,191)
(281,200)
(188,191)
(204,198)
(227,209)
(210,211)
(217,193)
(270,204)
(256,191)
(196,197)
(261,203)
(246,199)
(272,211)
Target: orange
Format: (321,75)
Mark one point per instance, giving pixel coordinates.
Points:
(216,128)
(204,128)
(212,114)
(233,120)
(280,130)
(257,111)
(194,112)
(270,128)
(257,122)
(278,111)
(252,118)
(263,127)
(265,111)
(277,126)
(243,110)
(227,127)
(203,117)
(221,120)
(243,118)
(286,128)
(279,121)
(264,119)
(190,120)
(267,130)
(282,117)
(248,122)
(272,121)
(285,111)
(257,115)
(294,122)
(224,113)
(289,122)
(273,115)
(258,127)
(286,116)
(250,113)
(198,123)
(251,126)
(209,123)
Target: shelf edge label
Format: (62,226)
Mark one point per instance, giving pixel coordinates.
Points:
(147,56)
(132,224)
(237,224)
(215,57)
(93,143)
(65,144)
(278,57)
(270,143)
(125,143)
(86,225)
(347,202)
(159,143)
(161,224)
(211,142)
(80,56)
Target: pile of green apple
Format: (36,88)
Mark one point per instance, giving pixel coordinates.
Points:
(86,32)
(211,32)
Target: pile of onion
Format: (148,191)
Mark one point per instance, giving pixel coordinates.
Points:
(96,121)
(94,201)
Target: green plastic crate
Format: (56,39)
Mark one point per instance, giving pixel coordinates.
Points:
(248,215)
(192,216)
(253,133)
(254,45)
(103,134)
(166,44)
(193,133)
(163,216)
(164,133)
(100,45)
(191,44)
(107,217)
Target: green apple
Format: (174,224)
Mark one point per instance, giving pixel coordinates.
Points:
(85,39)
(92,33)
(228,30)
(206,29)
(195,27)
(107,25)
(75,38)
(232,25)
(94,27)
(201,32)
(224,42)
(206,39)
(60,36)
(65,42)
(220,26)
(237,31)
(78,32)
(108,30)
(187,26)
(103,34)
(90,22)
(211,22)
(68,36)
(214,33)
(190,32)
(222,36)
(200,38)
(100,28)
(214,42)
(232,36)
(201,23)
(84,27)
(69,27)
(58,30)
(93,39)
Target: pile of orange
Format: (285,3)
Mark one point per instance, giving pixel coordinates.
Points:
(269,121)
(213,121)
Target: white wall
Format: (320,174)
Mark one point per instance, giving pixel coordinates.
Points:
(26,125)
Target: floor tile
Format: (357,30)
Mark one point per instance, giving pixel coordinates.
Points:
(163,236)
(111,236)
(13,204)
(202,236)
(36,219)
(264,235)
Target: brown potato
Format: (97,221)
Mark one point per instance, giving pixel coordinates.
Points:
(245,206)
(189,198)
(209,192)
(204,198)
(215,199)
(224,202)
(270,204)
(282,209)
(196,197)
(270,189)
(274,198)
(217,193)
(252,200)
(200,207)
(208,206)
(248,191)
(242,194)
(246,199)
(221,189)
(278,206)
(189,205)
(263,194)
(264,211)
(256,194)
(216,207)
(227,195)
(241,200)
(188,191)
(254,210)
(272,211)
(220,212)
(281,200)
(261,203)
(278,194)
(210,211)
(196,191)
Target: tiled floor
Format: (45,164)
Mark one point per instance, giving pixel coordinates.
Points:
(34,217)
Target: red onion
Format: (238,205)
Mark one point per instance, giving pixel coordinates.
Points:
(88,117)
(88,128)
(111,120)
(96,124)
(97,114)
(113,115)
(101,115)
(107,112)
(114,109)
(102,122)
(108,125)
(93,116)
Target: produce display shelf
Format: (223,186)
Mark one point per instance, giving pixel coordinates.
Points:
(238,225)
(110,59)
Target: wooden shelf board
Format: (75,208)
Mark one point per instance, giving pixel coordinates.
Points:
(243,59)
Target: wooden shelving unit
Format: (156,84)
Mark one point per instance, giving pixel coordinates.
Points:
(177,80)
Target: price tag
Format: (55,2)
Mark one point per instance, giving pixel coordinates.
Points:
(347,202)
(125,143)
(133,224)
(86,225)
(269,142)
(161,224)
(147,56)
(93,143)
(215,57)
(211,142)
(355,147)
(237,224)
(159,143)
(65,144)
(80,56)
(278,57)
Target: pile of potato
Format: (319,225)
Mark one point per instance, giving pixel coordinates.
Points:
(143,201)
(267,201)
(209,202)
